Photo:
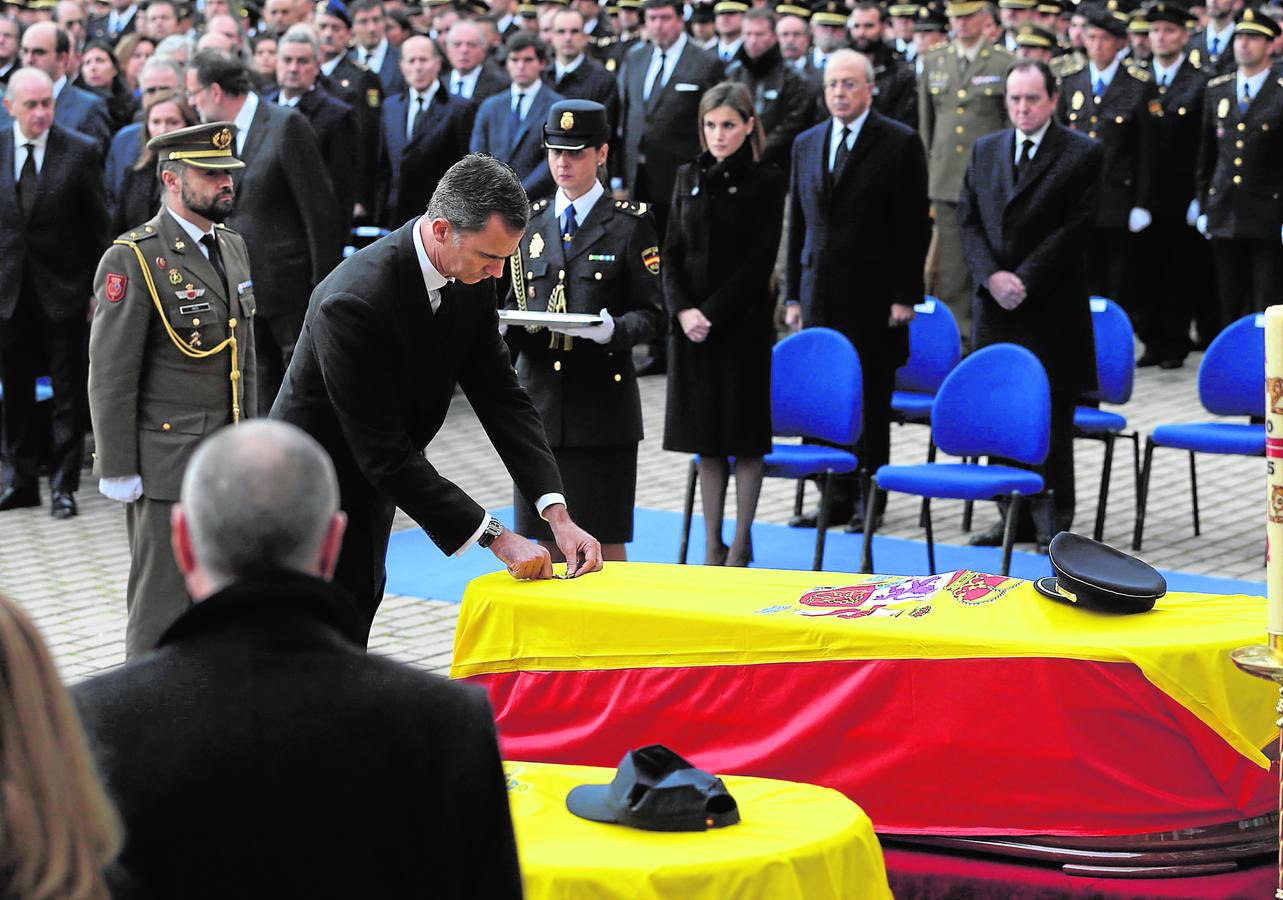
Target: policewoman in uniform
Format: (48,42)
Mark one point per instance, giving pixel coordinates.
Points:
(585,252)
(171,358)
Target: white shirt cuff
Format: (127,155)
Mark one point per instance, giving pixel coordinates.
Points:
(546,501)
(476,535)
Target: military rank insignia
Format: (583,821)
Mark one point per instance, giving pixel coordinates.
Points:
(372,97)
(115,287)
(1223,108)
(175,277)
(1077,101)
(650,258)
(536,246)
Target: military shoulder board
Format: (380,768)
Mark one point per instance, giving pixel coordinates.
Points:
(1222,79)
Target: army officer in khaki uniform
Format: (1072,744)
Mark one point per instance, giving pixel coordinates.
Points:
(585,252)
(961,97)
(171,358)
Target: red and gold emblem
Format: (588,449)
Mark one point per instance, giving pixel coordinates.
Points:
(115,287)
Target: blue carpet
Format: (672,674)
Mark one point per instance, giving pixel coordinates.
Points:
(416,567)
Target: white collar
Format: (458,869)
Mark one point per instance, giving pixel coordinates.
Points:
(433,280)
(732,48)
(1106,74)
(529,93)
(1162,72)
(569,67)
(969,53)
(583,204)
(855,126)
(1036,137)
(19,138)
(673,52)
(471,78)
(58,86)
(379,52)
(1226,36)
(327,68)
(243,119)
(192,231)
(412,95)
(1253,84)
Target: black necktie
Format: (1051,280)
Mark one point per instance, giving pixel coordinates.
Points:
(1026,151)
(839,158)
(216,259)
(27,181)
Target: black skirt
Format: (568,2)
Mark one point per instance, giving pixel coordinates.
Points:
(600,485)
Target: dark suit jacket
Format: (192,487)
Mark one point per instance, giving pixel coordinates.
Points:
(53,252)
(335,123)
(122,155)
(665,130)
(523,150)
(857,246)
(372,378)
(1176,119)
(490,81)
(259,751)
(285,210)
(86,112)
(895,87)
(1037,231)
(782,99)
(361,89)
(415,166)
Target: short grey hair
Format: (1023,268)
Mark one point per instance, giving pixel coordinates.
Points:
(177,46)
(258,497)
(163,62)
(302,33)
(860,58)
(476,188)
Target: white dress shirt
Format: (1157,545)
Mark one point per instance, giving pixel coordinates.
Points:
(583,204)
(469,82)
(57,88)
(242,121)
(561,71)
(726,52)
(328,67)
(670,57)
(835,136)
(412,97)
(373,59)
(434,281)
(1036,137)
(192,231)
(20,152)
(1253,84)
(527,96)
(1106,74)
(119,21)
(1164,76)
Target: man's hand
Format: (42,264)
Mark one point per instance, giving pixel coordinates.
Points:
(1191,214)
(1007,289)
(1201,224)
(793,316)
(1138,220)
(900,315)
(525,559)
(695,324)
(581,550)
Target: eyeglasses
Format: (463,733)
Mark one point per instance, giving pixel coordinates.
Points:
(845,84)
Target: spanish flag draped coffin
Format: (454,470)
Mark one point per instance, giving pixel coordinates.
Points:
(953,704)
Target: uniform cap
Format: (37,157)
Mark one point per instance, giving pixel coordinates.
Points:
(1162,11)
(1017,4)
(830,12)
(930,18)
(793,8)
(1096,576)
(903,10)
(1253,21)
(960,9)
(1108,18)
(730,6)
(1033,36)
(575,124)
(207,146)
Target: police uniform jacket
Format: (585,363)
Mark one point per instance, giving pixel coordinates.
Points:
(361,89)
(335,122)
(1201,56)
(150,399)
(959,102)
(587,395)
(1176,119)
(782,99)
(1123,125)
(895,87)
(1239,177)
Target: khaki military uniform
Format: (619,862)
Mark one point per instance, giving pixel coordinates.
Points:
(162,370)
(958,102)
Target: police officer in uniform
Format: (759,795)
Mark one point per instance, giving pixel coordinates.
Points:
(1239,178)
(961,97)
(1104,99)
(585,252)
(171,358)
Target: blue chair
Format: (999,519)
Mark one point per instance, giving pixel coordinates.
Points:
(816,394)
(997,402)
(363,236)
(1229,384)
(44,389)
(935,346)
(1115,365)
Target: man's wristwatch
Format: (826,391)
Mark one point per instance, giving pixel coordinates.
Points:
(492,530)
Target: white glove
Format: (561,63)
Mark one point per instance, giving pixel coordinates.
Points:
(1281,234)
(123,488)
(1201,224)
(1191,214)
(599,334)
(503,328)
(1138,220)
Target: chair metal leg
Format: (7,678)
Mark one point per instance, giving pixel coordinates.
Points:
(968,506)
(688,511)
(931,543)
(872,501)
(1009,532)
(801,496)
(1099,533)
(822,520)
(1142,493)
(1135,439)
(931,449)
(1193,490)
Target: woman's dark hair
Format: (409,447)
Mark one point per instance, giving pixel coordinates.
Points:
(733,96)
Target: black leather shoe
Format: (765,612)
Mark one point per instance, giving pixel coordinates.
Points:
(63,505)
(653,365)
(19,498)
(1147,359)
(1172,363)
(839,514)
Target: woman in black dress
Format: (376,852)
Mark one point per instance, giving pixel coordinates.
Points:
(719,252)
(139,196)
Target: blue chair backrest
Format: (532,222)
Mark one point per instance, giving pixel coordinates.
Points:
(1115,351)
(935,346)
(1231,377)
(816,387)
(996,402)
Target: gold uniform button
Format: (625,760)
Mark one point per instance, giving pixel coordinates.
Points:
(1238,145)
(1238,179)
(959,129)
(597,275)
(619,377)
(1242,127)
(1118,120)
(1180,111)
(1211,191)
(556,366)
(195,321)
(1091,134)
(960,110)
(962,95)
(165,427)
(1238,161)
(231,323)
(960,148)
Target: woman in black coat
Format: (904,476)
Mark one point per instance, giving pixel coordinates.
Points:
(719,252)
(100,73)
(139,196)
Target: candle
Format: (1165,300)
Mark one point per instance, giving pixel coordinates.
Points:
(1274,465)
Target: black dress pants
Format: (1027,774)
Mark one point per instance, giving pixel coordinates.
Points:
(32,345)
(1248,273)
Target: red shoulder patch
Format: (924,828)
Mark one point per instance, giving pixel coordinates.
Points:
(116,285)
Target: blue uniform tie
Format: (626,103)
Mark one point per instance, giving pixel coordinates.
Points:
(1247,99)
(1100,87)
(570,224)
